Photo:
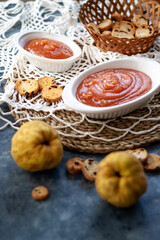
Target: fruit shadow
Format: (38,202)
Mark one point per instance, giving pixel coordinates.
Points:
(125,220)
(86,184)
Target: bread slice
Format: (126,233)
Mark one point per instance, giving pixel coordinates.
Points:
(51,93)
(74,165)
(140,153)
(124,26)
(153,162)
(144,31)
(93,27)
(45,81)
(119,17)
(122,34)
(106,33)
(27,87)
(139,20)
(105,25)
(90,168)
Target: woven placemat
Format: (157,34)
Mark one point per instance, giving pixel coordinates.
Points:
(96,145)
(77,132)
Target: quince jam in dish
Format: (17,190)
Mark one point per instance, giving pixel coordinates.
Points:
(112,87)
(48,48)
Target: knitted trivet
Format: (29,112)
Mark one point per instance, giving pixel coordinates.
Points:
(77,131)
(127,132)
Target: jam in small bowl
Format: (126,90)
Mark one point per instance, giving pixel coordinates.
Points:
(47,51)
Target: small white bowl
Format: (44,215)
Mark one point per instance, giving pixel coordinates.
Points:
(145,65)
(47,64)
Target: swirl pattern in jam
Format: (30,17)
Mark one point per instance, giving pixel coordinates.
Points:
(112,87)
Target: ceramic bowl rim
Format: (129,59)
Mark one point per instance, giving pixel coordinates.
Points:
(71,87)
(75,48)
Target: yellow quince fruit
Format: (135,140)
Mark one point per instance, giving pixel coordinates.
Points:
(36,146)
(120,179)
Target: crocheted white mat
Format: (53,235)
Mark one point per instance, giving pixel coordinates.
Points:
(58,17)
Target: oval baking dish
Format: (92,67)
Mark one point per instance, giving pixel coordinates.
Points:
(47,64)
(147,66)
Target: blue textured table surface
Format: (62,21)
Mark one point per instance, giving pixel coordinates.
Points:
(74,211)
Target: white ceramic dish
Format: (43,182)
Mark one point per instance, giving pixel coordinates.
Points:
(145,65)
(51,65)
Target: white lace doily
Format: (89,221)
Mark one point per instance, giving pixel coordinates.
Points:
(59,17)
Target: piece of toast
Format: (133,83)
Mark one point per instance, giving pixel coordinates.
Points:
(105,25)
(45,81)
(27,87)
(93,27)
(140,153)
(106,33)
(139,21)
(124,26)
(90,168)
(122,34)
(119,17)
(153,162)
(144,31)
(74,165)
(51,93)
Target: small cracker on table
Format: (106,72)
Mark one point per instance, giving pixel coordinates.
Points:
(27,88)
(89,169)
(40,193)
(74,165)
(51,93)
(140,153)
(45,81)
(153,162)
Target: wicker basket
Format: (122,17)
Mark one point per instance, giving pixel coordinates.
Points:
(98,10)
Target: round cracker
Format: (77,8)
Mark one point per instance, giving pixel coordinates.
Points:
(74,165)
(119,17)
(144,31)
(26,87)
(153,162)
(89,169)
(140,153)
(51,93)
(106,33)
(45,81)
(105,25)
(139,20)
(92,26)
(40,193)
